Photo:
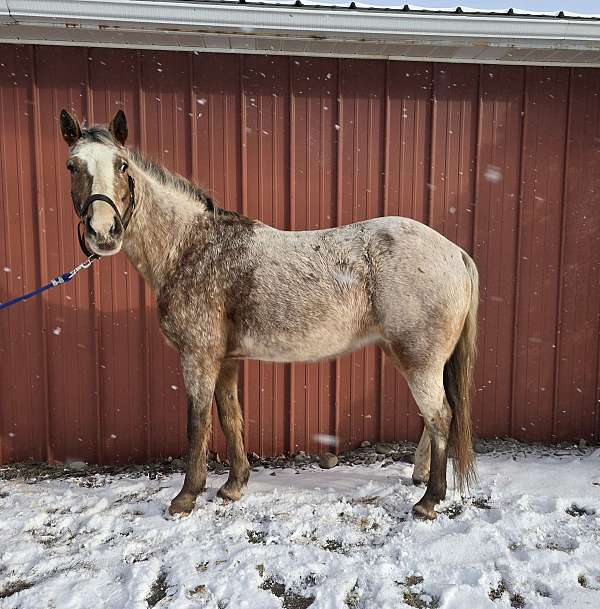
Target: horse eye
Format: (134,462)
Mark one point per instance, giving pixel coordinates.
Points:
(71,166)
(124,167)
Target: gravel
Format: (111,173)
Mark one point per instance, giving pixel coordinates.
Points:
(366,454)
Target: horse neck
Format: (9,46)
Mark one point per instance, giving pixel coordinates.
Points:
(160,227)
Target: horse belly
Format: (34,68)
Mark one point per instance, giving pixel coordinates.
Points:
(317,346)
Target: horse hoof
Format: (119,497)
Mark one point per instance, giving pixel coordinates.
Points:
(182,506)
(422,512)
(229,494)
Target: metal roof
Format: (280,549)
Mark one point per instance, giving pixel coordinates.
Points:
(408,32)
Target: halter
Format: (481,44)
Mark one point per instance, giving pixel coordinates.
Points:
(124,219)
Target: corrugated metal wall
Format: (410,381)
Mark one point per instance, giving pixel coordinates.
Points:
(504,161)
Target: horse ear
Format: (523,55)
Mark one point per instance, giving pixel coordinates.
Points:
(69,127)
(118,127)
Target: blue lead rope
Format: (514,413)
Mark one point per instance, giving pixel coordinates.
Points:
(60,280)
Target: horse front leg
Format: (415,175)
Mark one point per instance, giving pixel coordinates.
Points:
(232,423)
(422,460)
(200,375)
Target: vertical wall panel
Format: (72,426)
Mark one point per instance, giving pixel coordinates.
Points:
(578,340)
(22,372)
(495,247)
(454,139)
(543,155)
(502,160)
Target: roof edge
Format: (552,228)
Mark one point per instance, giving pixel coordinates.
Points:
(103,19)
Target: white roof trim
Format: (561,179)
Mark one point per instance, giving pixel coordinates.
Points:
(109,21)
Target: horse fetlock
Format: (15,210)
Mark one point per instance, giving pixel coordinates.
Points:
(420,480)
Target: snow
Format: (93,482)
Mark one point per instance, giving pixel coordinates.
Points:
(529,535)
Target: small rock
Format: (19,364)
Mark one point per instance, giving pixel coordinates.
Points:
(582,443)
(405,457)
(482,448)
(300,457)
(178,463)
(365,444)
(77,466)
(381,448)
(370,459)
(328,460)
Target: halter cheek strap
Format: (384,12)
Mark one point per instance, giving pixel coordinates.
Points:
(125,218)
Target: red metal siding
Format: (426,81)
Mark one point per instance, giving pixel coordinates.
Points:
(503,160)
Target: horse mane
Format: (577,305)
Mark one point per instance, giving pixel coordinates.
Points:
(98,134)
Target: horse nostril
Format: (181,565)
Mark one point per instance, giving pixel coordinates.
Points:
(116,229)
(88,227)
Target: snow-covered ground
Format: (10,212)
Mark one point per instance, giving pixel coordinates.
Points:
(529,536)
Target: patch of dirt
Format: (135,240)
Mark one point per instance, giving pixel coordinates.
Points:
(419,600)
(483,503)
(577,511)
(14,587)
(333,545)
(453,510)
(353,597)
(256,536)
(158,591)
(516,600)
(496,593)
(289,600)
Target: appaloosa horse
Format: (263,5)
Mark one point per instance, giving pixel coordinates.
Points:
(230,288)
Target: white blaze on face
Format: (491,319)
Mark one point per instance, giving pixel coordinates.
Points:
(99,160)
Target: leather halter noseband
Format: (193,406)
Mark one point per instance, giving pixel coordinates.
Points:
(124,219)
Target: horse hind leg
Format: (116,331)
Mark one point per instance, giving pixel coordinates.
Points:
(230,417)
(427,387)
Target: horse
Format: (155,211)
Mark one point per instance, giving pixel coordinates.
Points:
(230,288)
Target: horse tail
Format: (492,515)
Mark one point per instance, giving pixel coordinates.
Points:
(458,384)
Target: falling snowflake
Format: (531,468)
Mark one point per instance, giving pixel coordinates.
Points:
(493,174)
(326,439)
(57,331)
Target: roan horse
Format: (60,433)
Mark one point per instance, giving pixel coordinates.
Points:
(230,288)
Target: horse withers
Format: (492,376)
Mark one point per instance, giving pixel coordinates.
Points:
(230,288)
